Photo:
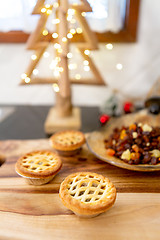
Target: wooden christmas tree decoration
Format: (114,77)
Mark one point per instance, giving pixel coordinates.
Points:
(63,115)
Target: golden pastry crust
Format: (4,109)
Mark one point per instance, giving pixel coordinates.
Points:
(67,140)
(87,193)
(38,164)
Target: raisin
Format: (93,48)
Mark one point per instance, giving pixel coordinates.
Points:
(127,146)
(146,158)
(137,161)
(131,162)
(138,141)
(154,160)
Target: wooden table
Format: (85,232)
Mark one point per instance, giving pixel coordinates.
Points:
(36,212)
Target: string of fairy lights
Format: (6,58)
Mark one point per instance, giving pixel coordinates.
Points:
(55,63)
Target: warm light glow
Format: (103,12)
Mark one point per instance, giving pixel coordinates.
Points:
(83,14)
(69,18)
(73,20)
(71,11)
(86,62)
(57,46)
(86,68)
(69,35)
(53,64)
(23,75)
(43,10)
(45,32)
(46,54)
(69,55)
(58,59)
(49,11)
(35,72)
(87,52)
(64,39)
(72,66)
(56,21)
(77,50)
(33,57)
(119,66)
(56,73)
(79,30)
(55,5)
(109,46)
(47,5)
(61,69)
(55,35)
(77,76)
(72,30)
(55,87)
(27,80)
(59,50)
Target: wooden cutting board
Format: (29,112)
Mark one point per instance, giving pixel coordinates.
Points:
(36,212)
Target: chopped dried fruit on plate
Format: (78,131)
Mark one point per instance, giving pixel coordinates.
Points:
(136,144)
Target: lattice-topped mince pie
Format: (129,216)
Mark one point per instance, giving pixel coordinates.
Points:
(38,167)
(87,194)
(67,142)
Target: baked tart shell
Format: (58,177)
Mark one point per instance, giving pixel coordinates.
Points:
(38,167)
(67,142)
(93,207)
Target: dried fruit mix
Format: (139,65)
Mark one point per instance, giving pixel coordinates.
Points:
(137,144)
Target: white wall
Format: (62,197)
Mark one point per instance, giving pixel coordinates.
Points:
(141,67)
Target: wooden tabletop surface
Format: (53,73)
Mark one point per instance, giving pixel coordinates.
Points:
(36,212)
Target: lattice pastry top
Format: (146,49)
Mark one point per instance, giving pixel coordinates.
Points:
(38,164)
(67,140)
(87,193)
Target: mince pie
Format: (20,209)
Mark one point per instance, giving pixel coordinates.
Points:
(38,167)
(68,142)
(87,194)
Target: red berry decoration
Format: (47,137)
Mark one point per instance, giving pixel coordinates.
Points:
(128,107)
(104,118)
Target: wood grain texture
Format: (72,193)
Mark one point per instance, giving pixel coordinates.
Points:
(124,180)
(63,103)
(51,80)
(134,216)
(36,212)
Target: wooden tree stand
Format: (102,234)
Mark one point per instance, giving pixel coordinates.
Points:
(63,115)
(54,122)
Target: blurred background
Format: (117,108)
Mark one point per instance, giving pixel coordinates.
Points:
(128,57)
